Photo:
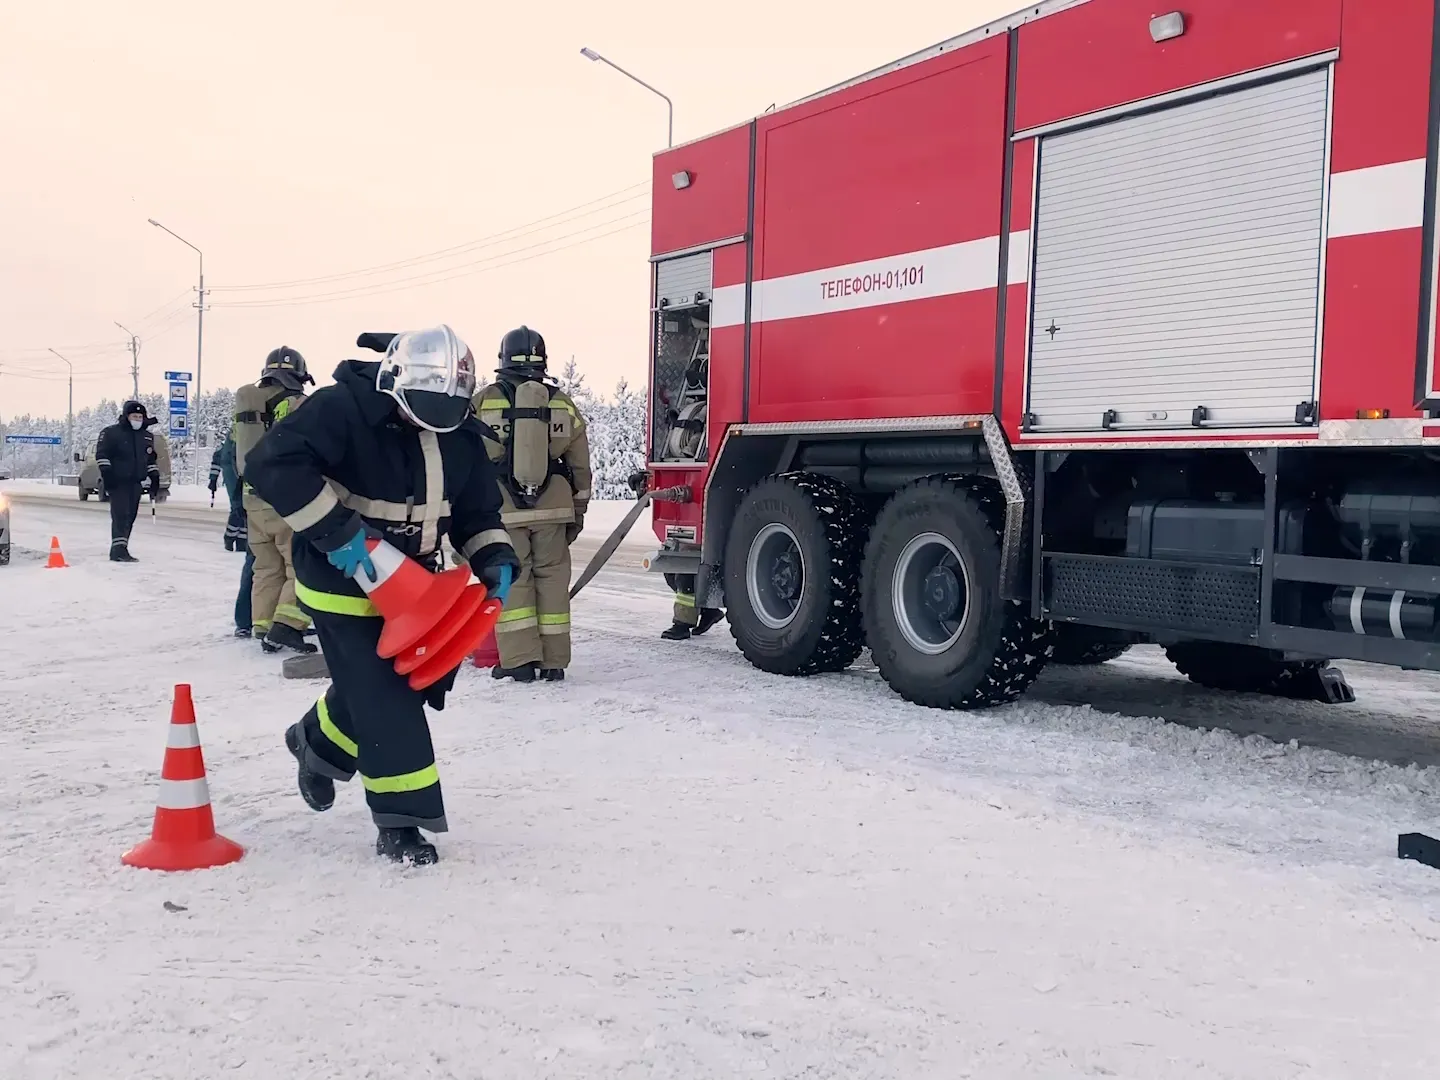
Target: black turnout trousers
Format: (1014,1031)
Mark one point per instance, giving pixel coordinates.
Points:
(124,505)
(369,721)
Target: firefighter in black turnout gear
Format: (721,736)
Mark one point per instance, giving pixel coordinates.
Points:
(126,456)
(391,450)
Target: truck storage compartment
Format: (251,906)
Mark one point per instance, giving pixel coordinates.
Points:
(681,374)
(1178,264)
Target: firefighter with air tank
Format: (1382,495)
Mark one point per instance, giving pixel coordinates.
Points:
(277,620)
(542,453)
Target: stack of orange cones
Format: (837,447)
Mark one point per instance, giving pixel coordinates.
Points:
(432,621)
(183,836)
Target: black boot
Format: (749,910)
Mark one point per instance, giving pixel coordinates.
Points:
(280,636)
(317,791)
(552,674)
(677,632)
(708,617)
(520,673)
(243,631)
(121,553)
(406,846)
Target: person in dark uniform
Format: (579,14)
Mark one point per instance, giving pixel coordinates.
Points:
(125,454)
(393,451)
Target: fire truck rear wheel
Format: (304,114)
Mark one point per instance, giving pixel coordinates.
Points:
(792,575)
(1239,668)
(938,628)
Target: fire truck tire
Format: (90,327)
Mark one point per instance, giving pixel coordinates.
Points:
(938,628)
(1244,669)
(1087,646)
(792,575)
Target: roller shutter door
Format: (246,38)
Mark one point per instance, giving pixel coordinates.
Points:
(1177,263)
(678,280)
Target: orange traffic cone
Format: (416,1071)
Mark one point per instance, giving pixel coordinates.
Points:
(432,621)
(57,557)
(183,836)
(488,654)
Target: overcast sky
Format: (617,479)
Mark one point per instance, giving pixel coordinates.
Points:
(310,139)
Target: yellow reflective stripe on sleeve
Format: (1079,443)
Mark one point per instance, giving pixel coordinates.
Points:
(484,540)
(333,733)
(311,514)
(394,785)
(261,624)
(514,614)
(684,599)
(554,620)
(334,603)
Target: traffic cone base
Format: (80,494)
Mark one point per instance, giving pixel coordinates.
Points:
(453,620)
(57,557)
(451,654)
(158,855)
(408,628)
(488,654)
(183,835)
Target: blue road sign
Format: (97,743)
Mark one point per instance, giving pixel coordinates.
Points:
(177,376)
(179,425)
(34,440)
(179,394)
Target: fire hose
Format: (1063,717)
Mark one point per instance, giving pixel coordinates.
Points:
(680,494)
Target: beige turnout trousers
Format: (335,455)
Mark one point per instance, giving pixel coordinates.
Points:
(272,594)
(534,627)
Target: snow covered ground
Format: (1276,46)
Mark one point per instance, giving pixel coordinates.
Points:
(672,865)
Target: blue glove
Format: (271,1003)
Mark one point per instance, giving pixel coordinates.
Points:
(502,590)
(499,572)
(353,556)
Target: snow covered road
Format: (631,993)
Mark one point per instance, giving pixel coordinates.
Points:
(675,866)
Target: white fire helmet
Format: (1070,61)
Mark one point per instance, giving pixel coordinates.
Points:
(431,375)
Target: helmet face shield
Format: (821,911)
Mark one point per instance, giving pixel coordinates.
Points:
(431,374)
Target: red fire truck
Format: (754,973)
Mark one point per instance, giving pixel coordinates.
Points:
(1098,324)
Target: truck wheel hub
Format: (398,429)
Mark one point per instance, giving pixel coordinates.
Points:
(942,593)
(929,594)
(775,576)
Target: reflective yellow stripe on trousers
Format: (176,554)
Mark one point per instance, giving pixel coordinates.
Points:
(520,618)
(334,603)
(333,733)
(394,785)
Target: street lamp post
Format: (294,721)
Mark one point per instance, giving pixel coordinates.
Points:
(200,324)
(134,360)
(69,413)
(591,54)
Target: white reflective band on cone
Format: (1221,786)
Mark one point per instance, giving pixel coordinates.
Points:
(386,559)
(183,737)
(184,794)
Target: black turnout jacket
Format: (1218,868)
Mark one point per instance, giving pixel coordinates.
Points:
(346,456)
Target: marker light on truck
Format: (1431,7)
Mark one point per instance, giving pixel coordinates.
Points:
(1167,27)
